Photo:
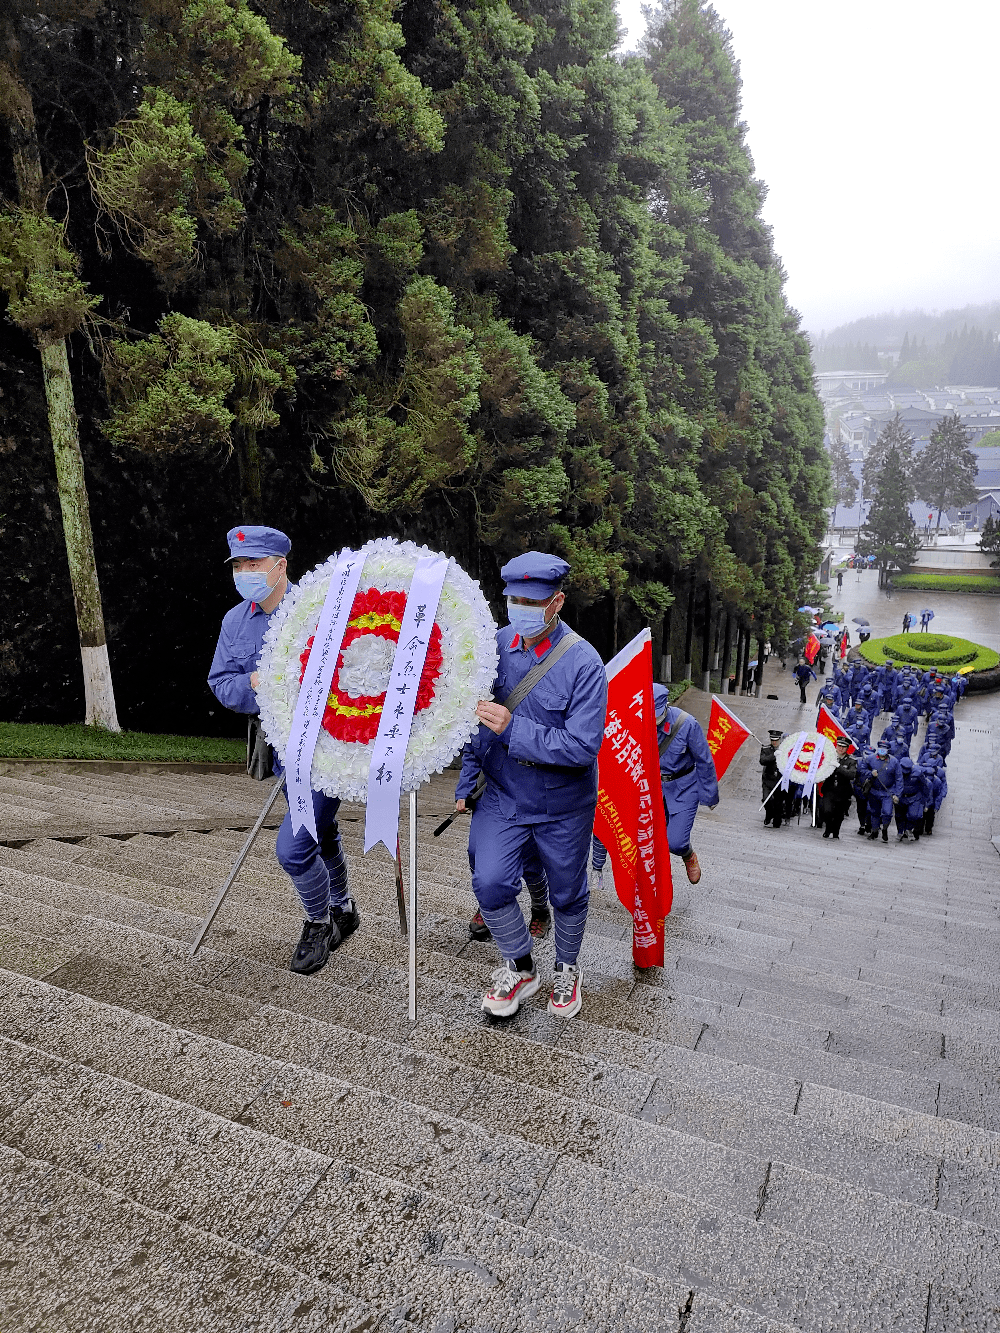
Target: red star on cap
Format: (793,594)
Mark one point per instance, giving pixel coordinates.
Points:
(240,537)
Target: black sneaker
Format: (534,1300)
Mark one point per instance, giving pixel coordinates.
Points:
(885,832)
(541,920)
(478,929)
(346,919)
(313,948)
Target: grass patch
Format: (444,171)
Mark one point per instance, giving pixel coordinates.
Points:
(987,584)
(35,740)
(675,690)
(940,652)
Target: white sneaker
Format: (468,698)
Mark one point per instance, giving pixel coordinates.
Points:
(509,988)
(567,990)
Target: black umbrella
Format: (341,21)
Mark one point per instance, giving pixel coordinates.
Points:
(860,620)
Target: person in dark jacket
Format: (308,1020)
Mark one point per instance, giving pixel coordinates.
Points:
(774,808)
(836,790)
(803,673)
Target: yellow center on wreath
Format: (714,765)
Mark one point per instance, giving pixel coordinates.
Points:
(371,620)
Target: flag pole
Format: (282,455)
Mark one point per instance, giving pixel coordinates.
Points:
(726,709)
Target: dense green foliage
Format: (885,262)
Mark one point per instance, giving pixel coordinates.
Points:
(989,539)
(32,740)
(845,483)
(889,534)
(941,652)
(969,356)
(944,475)
(831,356)
(981,583)
(991,440)
(454,272)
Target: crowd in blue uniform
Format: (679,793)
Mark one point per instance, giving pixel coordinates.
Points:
(889,784)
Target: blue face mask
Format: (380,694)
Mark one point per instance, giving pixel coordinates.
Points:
(528,620)
(252,584)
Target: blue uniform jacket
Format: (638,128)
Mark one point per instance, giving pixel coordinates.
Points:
(688,750)
(887,777)
(236,654)
(545,763)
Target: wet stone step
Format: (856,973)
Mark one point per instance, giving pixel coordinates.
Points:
(63,1235)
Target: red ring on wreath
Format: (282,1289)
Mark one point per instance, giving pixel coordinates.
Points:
(350,718)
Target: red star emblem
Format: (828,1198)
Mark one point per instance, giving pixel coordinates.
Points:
(240,537)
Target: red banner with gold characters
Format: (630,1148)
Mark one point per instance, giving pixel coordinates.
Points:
(828,725)
(811,650)
(630,820)
(726,733)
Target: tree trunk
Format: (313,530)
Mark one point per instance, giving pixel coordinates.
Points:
(706,642)
(665,659)
(727,648)
(745,663)
(63,427)
(248,461)
(689,629)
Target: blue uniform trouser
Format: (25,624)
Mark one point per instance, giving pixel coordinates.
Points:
(497,849)
(598,854)
(317,869)
(909,815)
(533,874)
(680,822)
(880,809)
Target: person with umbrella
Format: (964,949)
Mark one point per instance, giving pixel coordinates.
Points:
(907,622)
(925,620)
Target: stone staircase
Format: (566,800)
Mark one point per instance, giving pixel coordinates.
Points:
(795,1124)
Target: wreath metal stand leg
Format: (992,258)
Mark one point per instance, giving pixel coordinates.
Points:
(413,906)
(400,896)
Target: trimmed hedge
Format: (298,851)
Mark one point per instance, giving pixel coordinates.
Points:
(985,584)
(936,651)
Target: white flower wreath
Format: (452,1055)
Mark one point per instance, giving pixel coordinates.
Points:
(456,677)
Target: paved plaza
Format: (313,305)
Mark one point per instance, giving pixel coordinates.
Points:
(795,1124)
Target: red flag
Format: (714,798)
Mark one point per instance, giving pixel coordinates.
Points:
(811,649)
(828,725)
(630,820)
(726,733)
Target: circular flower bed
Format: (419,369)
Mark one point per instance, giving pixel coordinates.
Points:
(458,671)
(936,652)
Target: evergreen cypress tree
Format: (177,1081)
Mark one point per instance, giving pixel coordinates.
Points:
(890,533)
(944,474)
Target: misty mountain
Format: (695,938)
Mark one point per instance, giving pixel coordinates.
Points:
(885,332)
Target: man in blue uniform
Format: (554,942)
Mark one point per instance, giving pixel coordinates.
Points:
(687,774)
(318,870)
(540,767)
(886,779)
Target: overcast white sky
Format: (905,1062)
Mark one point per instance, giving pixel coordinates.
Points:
(876,126)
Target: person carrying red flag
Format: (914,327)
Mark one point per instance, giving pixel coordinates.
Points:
(687,774)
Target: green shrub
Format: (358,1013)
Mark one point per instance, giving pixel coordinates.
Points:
(936,651)
(981,583)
